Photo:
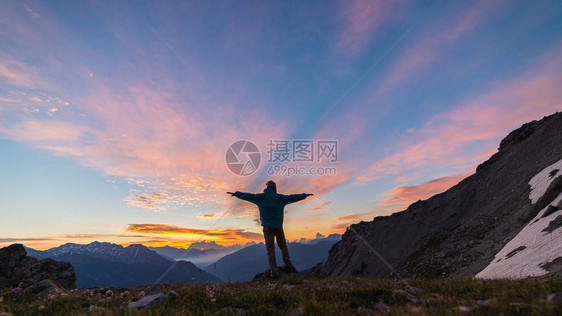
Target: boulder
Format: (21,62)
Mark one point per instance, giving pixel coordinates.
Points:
(45,287)
(17,268)
(554,297)
(153,297)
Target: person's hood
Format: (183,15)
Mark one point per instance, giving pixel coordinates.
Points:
(269,190)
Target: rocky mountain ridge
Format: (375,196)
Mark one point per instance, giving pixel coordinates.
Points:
(134,253)
(459,232)
(107,264)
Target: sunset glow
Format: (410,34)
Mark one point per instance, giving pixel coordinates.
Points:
(115,117)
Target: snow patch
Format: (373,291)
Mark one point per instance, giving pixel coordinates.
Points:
(539,183)
(540,247)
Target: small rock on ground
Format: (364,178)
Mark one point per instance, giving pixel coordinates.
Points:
(554,298)
(154,297)
(45,287)
(483,303)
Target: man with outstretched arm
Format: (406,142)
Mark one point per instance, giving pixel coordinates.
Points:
(271,205)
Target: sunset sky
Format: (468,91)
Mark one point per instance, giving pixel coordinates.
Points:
(115,116)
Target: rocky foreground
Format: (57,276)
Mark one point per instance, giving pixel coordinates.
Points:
(17,270)
(295,295)
(47,287)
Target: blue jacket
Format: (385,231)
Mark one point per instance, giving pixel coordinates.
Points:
(271,205)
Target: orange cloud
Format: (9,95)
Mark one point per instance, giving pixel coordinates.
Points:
(221,235)
(354,216)
(161,242)
(339,228)
(405,195)
(344,221)
(153,201)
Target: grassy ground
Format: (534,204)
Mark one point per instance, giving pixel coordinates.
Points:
(298,296)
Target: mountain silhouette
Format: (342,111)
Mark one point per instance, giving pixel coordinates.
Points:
(107,264)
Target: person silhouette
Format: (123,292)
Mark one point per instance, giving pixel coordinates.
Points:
(271,206)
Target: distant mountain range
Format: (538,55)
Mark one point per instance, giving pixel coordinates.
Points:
(319,238)
(245,263)
(107,264)
(201,254)
(501,222)
(210,245)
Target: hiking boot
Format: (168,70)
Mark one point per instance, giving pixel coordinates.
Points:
(274,274)
(289,269)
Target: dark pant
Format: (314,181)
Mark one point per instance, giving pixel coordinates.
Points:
(269,234)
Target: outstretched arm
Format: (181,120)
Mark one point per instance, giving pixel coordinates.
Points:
(292,198)
(250,197)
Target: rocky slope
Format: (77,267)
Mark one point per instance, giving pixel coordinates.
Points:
(17,268)
(461,231)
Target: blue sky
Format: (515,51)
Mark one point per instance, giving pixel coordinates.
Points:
(115,117)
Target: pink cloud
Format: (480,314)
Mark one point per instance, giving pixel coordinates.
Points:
(450,29)
(361,20)
(30,11)
(148,128)
(370,108)
(147,135)
(153,201)
(15,73)
(319,205)
(445,138)
(405,195)
(46,132)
